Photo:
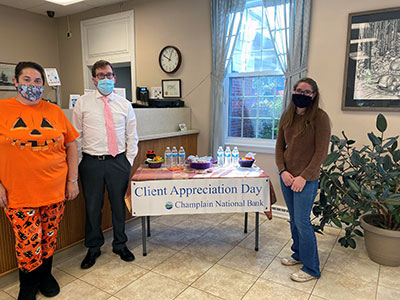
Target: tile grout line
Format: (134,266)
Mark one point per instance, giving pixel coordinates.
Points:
(377,283)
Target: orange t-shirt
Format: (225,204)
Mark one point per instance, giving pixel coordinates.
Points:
(33,165)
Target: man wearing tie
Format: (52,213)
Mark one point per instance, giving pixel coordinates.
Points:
(108,144)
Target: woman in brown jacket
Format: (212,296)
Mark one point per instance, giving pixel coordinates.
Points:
(301,147)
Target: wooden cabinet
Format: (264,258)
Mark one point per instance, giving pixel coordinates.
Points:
(72,228)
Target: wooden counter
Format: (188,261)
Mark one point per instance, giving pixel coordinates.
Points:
(72,228)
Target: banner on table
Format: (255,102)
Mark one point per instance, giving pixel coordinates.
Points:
(164,197)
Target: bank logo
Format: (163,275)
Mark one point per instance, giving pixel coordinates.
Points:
(168,205)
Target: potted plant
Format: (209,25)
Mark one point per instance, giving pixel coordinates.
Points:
(361,187)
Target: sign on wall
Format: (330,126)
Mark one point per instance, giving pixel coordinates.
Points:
(167,197)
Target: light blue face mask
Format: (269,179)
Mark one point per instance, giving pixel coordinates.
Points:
(105,86)
(30,92)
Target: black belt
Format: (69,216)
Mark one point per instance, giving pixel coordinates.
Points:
(102,157)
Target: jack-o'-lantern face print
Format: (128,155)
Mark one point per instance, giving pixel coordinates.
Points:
(37,134)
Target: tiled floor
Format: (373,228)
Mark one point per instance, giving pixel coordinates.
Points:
(208,257)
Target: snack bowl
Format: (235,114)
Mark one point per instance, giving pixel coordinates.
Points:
(202,165)
(246,162)
(154,164)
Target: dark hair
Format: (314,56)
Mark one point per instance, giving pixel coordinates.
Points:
(100,64)
(311,111)
(28,64)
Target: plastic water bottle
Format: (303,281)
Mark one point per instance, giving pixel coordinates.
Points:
(228,157)
(174,157)
(182,156)
(220,157)
(168,157)
(235,157)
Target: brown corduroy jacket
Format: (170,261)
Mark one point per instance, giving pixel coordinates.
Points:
(302,154)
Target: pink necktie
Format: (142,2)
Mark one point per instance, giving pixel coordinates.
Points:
(111,136)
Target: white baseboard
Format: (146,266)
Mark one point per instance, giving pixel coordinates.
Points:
(280,212)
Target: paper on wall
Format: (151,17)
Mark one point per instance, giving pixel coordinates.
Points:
(72,100)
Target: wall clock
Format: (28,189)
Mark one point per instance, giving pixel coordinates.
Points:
(170,59)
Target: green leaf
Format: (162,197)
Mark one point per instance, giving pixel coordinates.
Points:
(380,170)
(355,159)
(352,243)
(390,143)
(381,123)
(396,155)
(392,201)
(336,222)
(371,194)
(358,232)
(387,163)
(354,186)
(316,211)
(335,139)
(385,194)
(351,173)
(342,143)
(331,158)
(348,218)
(348,200)
(374,139)
(397,217)
(394,146)
(350,142)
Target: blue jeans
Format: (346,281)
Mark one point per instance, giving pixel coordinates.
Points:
(304,245)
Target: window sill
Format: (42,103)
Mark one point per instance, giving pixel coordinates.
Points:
(258,147)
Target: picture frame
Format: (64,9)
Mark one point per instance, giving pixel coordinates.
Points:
(372,62)
(7,72)
(171,88)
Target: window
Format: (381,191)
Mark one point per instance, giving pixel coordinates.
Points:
(255,81)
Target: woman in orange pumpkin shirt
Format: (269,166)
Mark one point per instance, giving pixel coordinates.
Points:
(38,172)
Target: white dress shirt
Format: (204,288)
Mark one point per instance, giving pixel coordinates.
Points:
(88,120)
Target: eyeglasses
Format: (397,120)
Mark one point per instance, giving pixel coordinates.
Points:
(102,75)
(306,92)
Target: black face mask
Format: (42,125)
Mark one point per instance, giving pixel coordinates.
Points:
(301,100)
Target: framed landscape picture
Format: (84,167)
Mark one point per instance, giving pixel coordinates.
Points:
(372,67)
(6,75)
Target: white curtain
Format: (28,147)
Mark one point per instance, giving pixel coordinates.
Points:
(226,16)
(296,16)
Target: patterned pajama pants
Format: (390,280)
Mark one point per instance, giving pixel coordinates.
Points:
(35,230)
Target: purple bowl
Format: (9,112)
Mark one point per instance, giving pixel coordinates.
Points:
(155,165)
(202,165)
(246,163)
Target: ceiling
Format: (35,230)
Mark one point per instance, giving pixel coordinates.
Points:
(41,6)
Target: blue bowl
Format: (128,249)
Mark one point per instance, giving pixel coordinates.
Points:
(246,163)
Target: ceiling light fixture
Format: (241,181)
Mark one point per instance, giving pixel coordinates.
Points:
(64,2)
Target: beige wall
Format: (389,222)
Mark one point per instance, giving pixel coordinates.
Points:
(28,36)
(182,23)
